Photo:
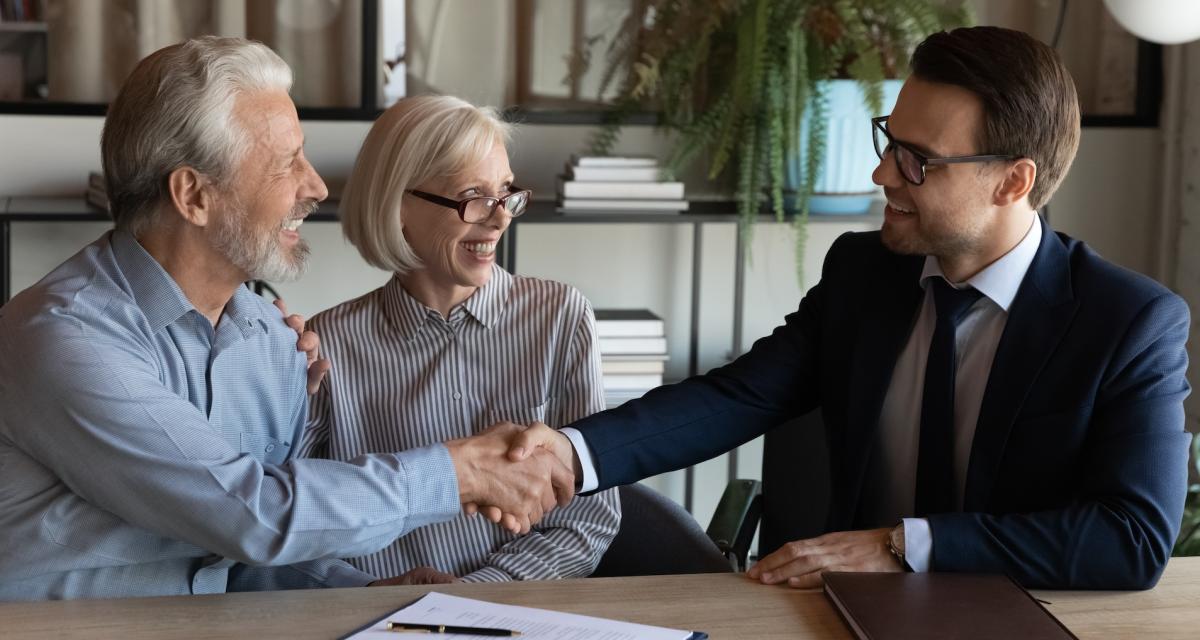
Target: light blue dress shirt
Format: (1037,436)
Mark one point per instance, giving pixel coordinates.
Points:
(144,451)
(976,339)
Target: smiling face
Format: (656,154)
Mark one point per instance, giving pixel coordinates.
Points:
(952,213)
(456,255)
(272,190)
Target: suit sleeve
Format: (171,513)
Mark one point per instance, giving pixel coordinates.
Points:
(1119,532)
(678,425)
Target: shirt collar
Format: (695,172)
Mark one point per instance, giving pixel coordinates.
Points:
(487,305)
(154,290)
(409,316)
(1000,280)
(245,310)
(160,298)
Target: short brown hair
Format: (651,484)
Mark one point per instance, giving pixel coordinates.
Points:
(1030,105)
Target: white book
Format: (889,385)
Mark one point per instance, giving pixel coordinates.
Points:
(631,382)
(625,367)
(618,398)
(613,161)
(614,174)
(624,394)
(575,205)
(633,345)
(631,357)
(615,323)
(621,190)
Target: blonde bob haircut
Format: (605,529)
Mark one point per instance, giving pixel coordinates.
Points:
(416,140)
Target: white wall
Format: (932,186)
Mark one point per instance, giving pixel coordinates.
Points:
(1107,200)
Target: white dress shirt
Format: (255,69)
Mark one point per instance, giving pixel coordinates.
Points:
(900,418)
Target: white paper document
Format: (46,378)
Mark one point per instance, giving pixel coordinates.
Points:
(534,624)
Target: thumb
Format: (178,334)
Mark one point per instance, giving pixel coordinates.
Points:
(521,446)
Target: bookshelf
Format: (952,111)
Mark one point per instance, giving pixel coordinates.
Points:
(22,27)
(699,215)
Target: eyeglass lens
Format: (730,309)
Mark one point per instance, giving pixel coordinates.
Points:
(909,164)
(480,209)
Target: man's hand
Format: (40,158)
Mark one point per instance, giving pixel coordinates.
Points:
(310,344)
(801,563)
(540,436)
(513,494)
(525,443)
(420,575)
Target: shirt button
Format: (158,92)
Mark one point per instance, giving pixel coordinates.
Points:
(270,448)
(457,395)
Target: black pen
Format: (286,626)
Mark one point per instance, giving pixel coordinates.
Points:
(447,628)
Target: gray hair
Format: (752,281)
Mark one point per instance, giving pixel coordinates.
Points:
(176,110)
(415,140)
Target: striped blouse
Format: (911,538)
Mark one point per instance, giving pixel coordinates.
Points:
(519,349)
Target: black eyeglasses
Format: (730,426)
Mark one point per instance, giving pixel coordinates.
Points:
(911,162)
(480,209)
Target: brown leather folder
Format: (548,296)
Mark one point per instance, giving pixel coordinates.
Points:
(898,606)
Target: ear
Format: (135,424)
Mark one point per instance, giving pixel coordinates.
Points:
(1017,183)
(191,195)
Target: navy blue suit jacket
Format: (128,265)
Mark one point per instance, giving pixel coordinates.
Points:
(1078,469)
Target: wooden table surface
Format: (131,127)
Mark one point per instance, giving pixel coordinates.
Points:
(724,605)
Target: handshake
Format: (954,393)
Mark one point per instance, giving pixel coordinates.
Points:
(513,474)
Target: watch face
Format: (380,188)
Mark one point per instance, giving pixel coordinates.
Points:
(896,539)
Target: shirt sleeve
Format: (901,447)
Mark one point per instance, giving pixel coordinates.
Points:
(314,574)
(120,440)
(569,541)
(587,462)
(918,544)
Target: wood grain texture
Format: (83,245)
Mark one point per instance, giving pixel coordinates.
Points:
(724,605)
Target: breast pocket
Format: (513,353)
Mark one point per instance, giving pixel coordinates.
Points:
(519,415)
(265,449)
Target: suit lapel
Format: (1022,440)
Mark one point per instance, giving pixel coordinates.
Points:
(1037,320)
(886,320)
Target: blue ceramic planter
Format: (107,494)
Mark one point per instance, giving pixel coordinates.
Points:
(843,183)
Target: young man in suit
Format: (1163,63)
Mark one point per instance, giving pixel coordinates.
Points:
(998,398)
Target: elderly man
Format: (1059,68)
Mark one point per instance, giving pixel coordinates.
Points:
(148,400)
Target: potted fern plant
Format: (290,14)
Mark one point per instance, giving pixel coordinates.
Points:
(748,85)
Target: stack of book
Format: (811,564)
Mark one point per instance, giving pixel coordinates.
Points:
(633,353)
(610,184)
(97,193)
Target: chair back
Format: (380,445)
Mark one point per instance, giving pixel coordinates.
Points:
(658,537)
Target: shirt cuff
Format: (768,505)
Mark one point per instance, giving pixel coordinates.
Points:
(589,482)
(918,544)
(431,484)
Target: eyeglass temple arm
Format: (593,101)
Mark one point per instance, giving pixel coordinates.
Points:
(959,159)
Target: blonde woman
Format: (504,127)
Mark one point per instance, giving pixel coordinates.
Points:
(453,343)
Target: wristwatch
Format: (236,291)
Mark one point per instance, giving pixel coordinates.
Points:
(895,544)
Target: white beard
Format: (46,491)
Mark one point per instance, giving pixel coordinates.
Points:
(260,255)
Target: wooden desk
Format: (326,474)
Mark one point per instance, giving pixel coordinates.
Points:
(724,605)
